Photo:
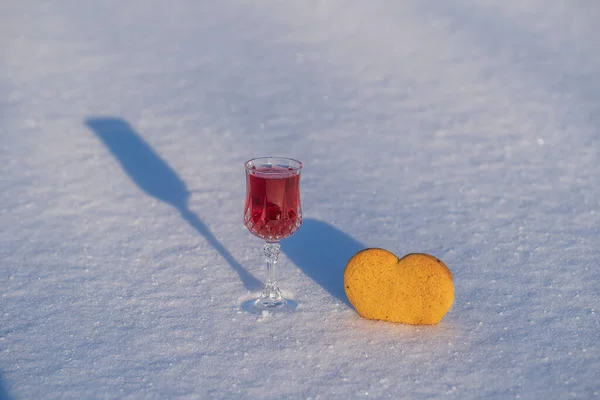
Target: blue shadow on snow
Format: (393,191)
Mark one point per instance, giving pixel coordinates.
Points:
(4,395)
(322,251)
(154,176)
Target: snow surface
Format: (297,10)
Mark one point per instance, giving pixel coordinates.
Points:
(468,129)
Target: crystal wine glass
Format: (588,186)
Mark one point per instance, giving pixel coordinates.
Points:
(272,212)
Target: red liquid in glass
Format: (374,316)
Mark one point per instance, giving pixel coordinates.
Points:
(272,210)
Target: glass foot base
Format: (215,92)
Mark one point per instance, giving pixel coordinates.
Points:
(271,297)
(258,306)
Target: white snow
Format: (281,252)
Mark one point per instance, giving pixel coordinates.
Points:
(467,129)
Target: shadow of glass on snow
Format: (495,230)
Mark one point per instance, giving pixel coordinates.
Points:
(154,176)
(322,251)
(4,395)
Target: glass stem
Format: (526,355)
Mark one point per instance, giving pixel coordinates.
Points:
(271,296)
(271,251)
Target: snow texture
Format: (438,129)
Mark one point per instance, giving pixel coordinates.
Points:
(468,129)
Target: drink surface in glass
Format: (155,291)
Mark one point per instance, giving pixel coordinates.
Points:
(272,212)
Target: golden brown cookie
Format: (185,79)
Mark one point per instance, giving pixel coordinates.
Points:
(416,289)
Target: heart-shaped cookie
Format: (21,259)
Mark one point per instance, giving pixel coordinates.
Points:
(416,289)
